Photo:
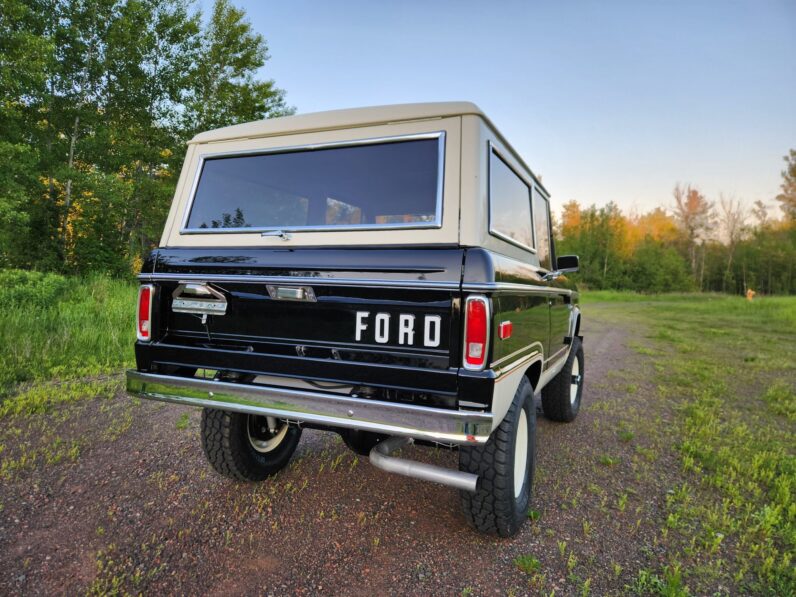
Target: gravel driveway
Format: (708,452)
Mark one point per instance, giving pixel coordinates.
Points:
(139,510)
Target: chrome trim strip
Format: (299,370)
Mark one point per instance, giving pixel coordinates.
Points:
(300,280)
(530,346)
(420,422)
(437,223)
(375,283)
(510,240)
(526,360)
(555,356)
(529,288)
(550,244)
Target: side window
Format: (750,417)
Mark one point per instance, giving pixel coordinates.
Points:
(541,212)
(509,204)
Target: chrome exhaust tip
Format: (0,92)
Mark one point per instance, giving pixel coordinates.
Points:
(380,457)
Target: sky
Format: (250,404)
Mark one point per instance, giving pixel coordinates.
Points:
(608,101)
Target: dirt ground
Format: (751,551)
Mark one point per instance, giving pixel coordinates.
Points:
(139,510)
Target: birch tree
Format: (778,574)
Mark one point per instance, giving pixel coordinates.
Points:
(787,198)
(696,217)
(733,218)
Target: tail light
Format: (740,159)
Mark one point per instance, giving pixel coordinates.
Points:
(146,294)
(476,332)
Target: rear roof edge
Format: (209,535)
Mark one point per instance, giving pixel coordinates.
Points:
(338,119)
(354,118)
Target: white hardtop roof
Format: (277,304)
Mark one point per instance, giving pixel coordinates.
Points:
(351,118)
(338,119)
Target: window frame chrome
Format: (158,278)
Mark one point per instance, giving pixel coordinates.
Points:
(438,212)
(549,229)
(501,155)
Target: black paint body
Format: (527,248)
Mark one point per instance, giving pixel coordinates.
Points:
(315,341)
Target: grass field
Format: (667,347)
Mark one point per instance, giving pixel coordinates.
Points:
(728,367)
(59,328)
(717,399)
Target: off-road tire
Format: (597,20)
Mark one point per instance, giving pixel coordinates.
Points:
(226,444)
(494,508)
(361,442)
(557,402)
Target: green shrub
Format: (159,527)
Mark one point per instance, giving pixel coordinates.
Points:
(528,564)
(20,288)
(56,327)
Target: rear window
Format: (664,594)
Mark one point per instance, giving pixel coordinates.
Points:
(385,184)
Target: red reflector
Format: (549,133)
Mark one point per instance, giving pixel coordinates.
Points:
(476,334)
(145,312)
(504,330)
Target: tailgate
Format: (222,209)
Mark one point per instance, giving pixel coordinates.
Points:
(380,318)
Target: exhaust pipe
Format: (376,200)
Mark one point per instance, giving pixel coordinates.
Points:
(380,458)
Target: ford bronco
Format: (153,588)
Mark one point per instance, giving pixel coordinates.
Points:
(387,273)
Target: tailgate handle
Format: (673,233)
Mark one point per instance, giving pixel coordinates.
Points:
(291,293)
(278,233)
(199,299)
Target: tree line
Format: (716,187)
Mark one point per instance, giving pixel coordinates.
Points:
(718,245)
(97,100)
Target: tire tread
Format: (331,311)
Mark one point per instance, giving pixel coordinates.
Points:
(556,402)
(491,509)
(229,455)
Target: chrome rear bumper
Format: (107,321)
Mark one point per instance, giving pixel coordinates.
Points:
(334,410)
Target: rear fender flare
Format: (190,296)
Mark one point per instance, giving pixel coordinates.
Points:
(508,382)
(574,322)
